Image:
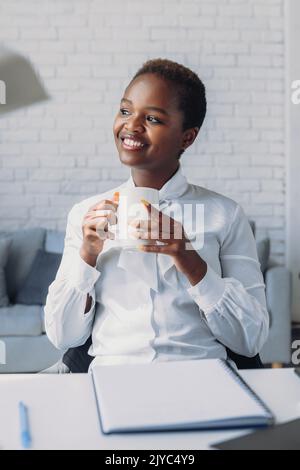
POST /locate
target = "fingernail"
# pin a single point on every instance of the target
(145, 202)
(140, 247)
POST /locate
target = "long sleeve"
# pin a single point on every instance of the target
(65, 321)
(234, 304)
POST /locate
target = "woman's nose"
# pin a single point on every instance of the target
(134, 123)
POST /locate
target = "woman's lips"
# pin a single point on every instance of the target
(132, 148)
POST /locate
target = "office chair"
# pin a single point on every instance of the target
(243, 362)
(78, 360)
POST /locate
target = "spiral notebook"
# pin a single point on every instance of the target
(164, 396)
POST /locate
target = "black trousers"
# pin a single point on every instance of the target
(78, 360)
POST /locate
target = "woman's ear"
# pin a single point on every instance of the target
(188, 137)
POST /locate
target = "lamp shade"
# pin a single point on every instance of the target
(20, 85)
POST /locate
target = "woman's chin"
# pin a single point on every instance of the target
(132, 160)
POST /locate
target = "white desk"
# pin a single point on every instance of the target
(63, 414)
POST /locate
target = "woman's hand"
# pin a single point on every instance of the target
(162, 228)
(95, 228)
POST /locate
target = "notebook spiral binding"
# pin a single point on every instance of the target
(237, 377)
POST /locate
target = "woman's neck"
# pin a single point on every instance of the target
(152, 179)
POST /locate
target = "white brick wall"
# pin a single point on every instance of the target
(55, 154)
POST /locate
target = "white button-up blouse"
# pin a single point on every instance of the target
(143, 309)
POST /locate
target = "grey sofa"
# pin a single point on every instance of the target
(22, 331)
(277, 349)
(278, 281)
(22, 326)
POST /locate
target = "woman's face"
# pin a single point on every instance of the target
(148, 127)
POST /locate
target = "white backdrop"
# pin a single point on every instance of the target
(87, 50)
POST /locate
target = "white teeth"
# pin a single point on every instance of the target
(132, 143)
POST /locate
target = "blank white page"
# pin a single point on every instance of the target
(171, 395)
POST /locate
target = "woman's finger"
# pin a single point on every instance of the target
(137, 233)
(163, 249)
(105, 234)
(102, 230)
(102, 224)
(91, 232)
(160, 222)
(103, 207)
(144, 224)
(105, 204)
(109, 214)
(92, 223)
(155, 234)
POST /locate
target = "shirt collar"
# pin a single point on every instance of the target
(174, 188)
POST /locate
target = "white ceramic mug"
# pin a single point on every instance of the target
(130, 207)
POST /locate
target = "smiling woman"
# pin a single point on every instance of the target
(159, 132)
(160, 116)
(162, 302)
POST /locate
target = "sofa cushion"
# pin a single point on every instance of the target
(23, 249)
(263, 252)
(54, 242)
(21, 320)
(42, 273)
(4, 251)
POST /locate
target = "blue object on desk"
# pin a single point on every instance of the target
(24, 426)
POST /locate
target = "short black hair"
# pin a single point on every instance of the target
(191, 90)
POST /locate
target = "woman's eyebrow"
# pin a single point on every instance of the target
(154, 108)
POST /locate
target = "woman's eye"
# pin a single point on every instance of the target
(154, 120)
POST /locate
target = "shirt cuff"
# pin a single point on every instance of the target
(208, 291)
(83, 276)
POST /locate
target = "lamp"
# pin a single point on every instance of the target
(20, 85)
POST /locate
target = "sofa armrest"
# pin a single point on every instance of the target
(278, 293)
